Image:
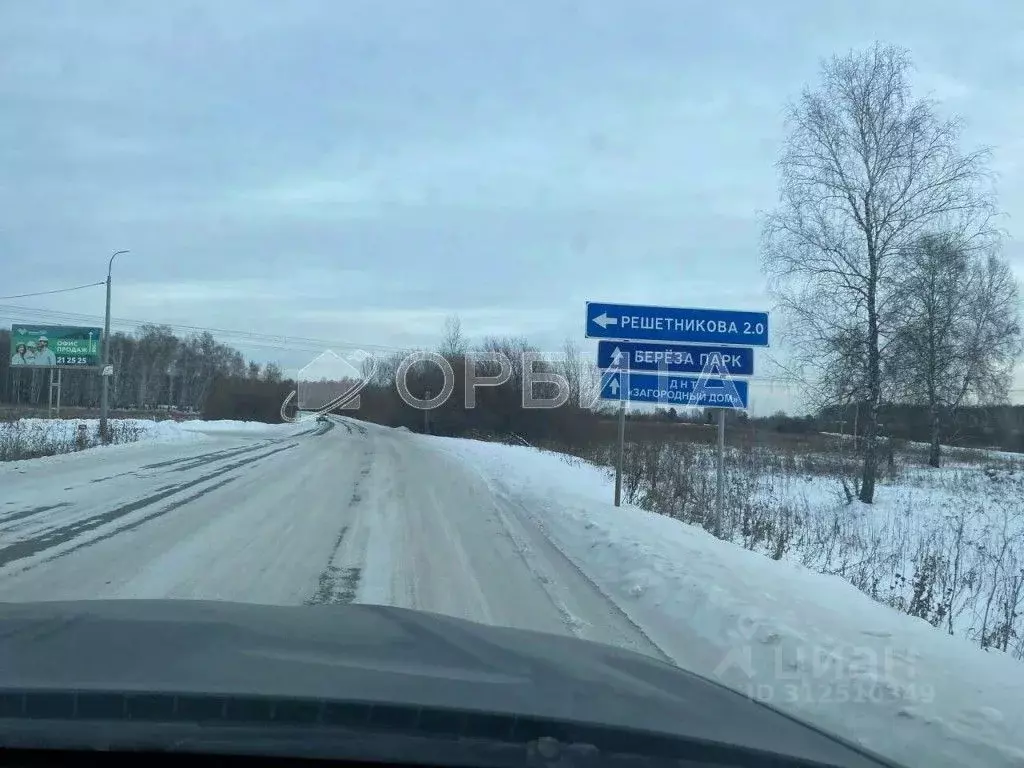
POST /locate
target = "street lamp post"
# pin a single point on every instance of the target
(105, 387)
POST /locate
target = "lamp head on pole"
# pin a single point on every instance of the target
(110, 263)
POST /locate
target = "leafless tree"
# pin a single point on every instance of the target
(960, 334)
(156, 349)
(571, 366)
(866, 170)
(454, 343)
(272, 373)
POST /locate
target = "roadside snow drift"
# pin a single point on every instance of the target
(806, 643)
(50, 437)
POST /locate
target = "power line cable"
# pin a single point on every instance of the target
(57, 290)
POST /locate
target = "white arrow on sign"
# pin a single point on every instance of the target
(613, 385)
(604, 321)
(616, 357)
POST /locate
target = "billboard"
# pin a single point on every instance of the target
(55, 346)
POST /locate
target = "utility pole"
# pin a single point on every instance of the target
(104, 372)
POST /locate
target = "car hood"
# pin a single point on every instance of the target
(381, 655)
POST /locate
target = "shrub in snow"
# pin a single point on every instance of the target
(944, 545)
(35, 438)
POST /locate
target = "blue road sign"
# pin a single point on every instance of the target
(675, 390)
(674, 358)
(676, 325)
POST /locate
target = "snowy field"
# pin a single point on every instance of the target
(944, 545)
(516, 536)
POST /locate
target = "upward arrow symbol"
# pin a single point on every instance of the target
(616, 357)
(613, 385)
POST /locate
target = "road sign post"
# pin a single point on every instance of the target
(720, 478)
(51, 409)
(622, 452)
(645, 352)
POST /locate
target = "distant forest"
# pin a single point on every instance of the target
(155, 368)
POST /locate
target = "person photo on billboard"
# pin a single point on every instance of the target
(22, 355)
(44, 355)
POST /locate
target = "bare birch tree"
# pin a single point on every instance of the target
(960, 336)
(866, 169)
(454, 343)
(571, 366)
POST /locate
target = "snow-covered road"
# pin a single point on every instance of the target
(356, 512)
(504, 535)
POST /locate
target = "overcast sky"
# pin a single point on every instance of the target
(357, 171)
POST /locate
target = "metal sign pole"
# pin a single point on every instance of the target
(426, 416)
(720, 484)
(58, 393)
(622, 452)
(49, 402)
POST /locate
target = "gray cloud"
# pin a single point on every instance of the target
(358, 170)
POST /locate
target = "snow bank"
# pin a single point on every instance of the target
(61, 429)
(29, 438)
(253, 427)
(806, 643)
(66, 430)
(946, 545)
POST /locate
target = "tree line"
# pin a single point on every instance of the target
(156, 369)
(153, 368)
(884, 255)
(489, 411)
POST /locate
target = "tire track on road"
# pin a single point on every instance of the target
(518, 511)
(336, 585)
(190, 462)
(56, 537)
(351, 425)
(21, 514)
(132, 526)
(339, 583)
(550, 565)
